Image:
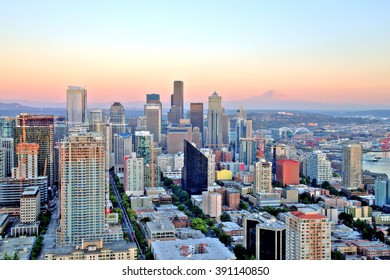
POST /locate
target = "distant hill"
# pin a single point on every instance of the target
(13, 109)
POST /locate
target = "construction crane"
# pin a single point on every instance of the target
(385, 143)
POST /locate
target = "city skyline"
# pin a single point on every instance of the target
(316, 52)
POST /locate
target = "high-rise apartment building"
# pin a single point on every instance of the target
(83, 181)
(195, 170)
(134, 175)
(2, 162)
(308, 236)
(177, 103)
(352, 163)
(214, 119)
(76, 105)
(153, 120)
(318, 167)
(263, 177)
(210, 165)
(117, 119)
(212, 204)
(39, 129)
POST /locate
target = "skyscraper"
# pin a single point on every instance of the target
(308, 236)
(214, 118)
(122, 147)
(40, 130)
(7, 144)
(76, 105)
(263, 177)
(96, 123)
(271, 241)
(382, 192)
(210, 165)
(195, 170)
(196, 116)
(248, 148)
(82, 165)
(117, 119)
(153, 120)
(177, 103)
(352, 162)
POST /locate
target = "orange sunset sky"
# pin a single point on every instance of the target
(324, 52)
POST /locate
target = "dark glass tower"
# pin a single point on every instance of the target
(194, 172)
(196, 115)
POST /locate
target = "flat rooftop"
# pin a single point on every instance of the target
(21, 245)
(191, 249)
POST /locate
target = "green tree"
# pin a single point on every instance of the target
(240, 252)
(314, 182)
(225, 239)
(337, 255)
(325, 184)
(181, 208)
(225, 218)
(199, 224)
(244, 205)
(6, 256)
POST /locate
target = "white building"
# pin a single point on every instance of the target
(263, 177)
(30, 205)
(134, 175)
(211, 165)
(318, 167)
(212, 204)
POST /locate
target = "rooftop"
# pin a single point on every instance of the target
(307, 215)
(21, 245)
(191, 249)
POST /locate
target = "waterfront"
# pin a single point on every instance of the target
(380, 166)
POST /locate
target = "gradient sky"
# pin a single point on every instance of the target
(325, 51)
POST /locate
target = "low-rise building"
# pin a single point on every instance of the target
(95, 250)
(160, 230)
(191, 249)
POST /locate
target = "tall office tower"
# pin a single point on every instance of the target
(60, 129)
(318, 167)
(30, 205)
(8, 145)
(7, 127)
(212, 204)
(210, 165)
(214, 118)
(240, 130)
(195, 170)
(82, 165)
(248, 149)
(197, 137)
(263, 177)
(287, 172)
(225, 130)
(352, 163)
(141, 123)
(177, 103)
(123, 146)
(96, 121)
(76, 105)
(2, 162)
(196, 116)
(271, 241)
(117, 119)
(382, 192)
(176, 134)
(153, 120)
(40, 130)
(308, 236)
(134, 175)
(144, 143)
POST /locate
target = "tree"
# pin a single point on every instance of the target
(225, 239)
(314, 182)
(199, 224)
(240, 252)
(181, 208)
(337, 255)
(244, 205)
(225, 218)
(325, 185)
